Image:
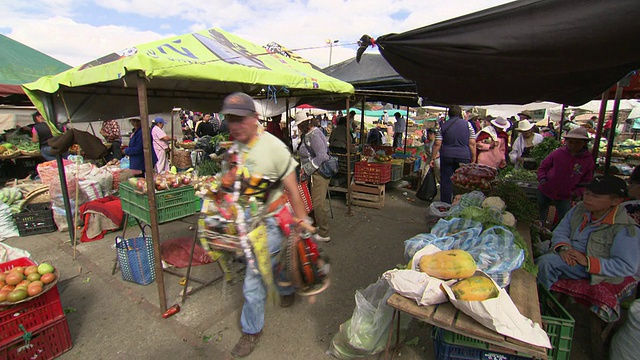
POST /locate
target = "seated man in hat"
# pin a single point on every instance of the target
(596, 240)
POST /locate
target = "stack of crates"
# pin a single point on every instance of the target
(33, 329)
(171, 204)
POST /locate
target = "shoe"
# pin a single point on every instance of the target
(287, 300)
(319, 238)
(246, 345)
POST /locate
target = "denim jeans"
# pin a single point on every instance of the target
(447, 167)
(551, 267)
(254, 291)
(562, 207)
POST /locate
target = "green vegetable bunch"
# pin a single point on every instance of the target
(208, 167)
(517, 202)
(542, 150)
(518, 175)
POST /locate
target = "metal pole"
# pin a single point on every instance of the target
(406, 131)
(286, 121)
(65, 197)
(330, 51)
(151, 187)
(349, 212)
(614, 124)
(603, 110)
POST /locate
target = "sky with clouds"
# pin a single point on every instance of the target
(77, 31)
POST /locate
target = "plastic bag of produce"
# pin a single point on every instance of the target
(495, 253)
(8, 227)
(416, 243)
(366, 333)
(457, 228)
(436, 211)
(626, 341)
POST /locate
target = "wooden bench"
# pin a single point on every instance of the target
(523, 290)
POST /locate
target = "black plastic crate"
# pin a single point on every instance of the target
(35, 219)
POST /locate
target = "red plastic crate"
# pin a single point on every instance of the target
(32, 315)
(373, 173)
(46, 343)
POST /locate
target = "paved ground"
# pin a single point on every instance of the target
(113, 319)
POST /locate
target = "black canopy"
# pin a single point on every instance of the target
(564, 51)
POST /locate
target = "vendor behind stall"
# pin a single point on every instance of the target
(111, 133)
(135, 152)
(561, 172)
(597, 240)
(526, 140)
(40, 134)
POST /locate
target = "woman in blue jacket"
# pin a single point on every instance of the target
(134, 151)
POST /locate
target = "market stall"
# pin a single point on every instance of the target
(196, 74)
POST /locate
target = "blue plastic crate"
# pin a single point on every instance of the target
(445, 351)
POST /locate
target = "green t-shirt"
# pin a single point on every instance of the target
(271, 158)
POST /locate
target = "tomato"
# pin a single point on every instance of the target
(48, 278)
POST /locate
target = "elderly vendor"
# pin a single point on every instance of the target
(596, 240)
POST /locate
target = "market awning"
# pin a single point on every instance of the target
(521, 52)
(192, 71)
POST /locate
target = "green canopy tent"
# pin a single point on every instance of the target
(194, 71)
(20, 64)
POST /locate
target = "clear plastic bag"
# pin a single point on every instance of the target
(366, 333)
(436, 211)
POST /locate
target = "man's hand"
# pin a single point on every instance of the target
(568, 259)
(578, 257)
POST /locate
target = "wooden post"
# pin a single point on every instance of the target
(559, 134)
(612, 131)
(151, 186)
(603, 110)
(349, 212)
(406, 131)
(362, 139)
(65, 197)
(286, 121)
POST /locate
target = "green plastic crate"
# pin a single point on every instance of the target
(171, 204)
(558, 324)
(556, 321)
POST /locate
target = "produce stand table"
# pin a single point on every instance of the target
(523, 291)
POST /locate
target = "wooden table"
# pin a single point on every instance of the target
(524, 293)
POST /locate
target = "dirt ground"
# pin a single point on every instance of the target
(113, 319)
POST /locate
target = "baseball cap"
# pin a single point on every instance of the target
(159, 120)
(238, 104)
(607, 185)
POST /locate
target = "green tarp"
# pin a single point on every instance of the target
(193, 71)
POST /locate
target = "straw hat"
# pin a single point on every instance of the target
(524, 125)
(579, 133)
(301, 117)
(500, 122)
(526, 114)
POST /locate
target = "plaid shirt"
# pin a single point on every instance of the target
(111, 131)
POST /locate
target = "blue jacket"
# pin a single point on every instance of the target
(136, 154)
(610, 243)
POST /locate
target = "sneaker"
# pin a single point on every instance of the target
(246, 345)
(319, 238)
(287, 300)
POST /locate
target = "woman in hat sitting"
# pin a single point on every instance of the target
(561, 172)
(526, 140)
(491, 143)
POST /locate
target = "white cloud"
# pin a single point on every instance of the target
(54, 27)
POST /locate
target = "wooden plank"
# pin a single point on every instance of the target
(540, 353)
(371, 189)
(469, 327)
(422, 313)
(368, 204)
(523, 288)
(445, 315)
(368, 197)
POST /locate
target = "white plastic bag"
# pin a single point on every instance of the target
(626, 341)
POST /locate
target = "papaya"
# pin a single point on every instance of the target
(475, 288)
(448, 264)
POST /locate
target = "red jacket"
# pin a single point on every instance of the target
(560, 173)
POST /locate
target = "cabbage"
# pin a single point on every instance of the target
(494, 201)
